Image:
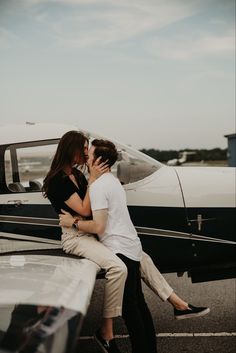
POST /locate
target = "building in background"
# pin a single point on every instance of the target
(231, 149)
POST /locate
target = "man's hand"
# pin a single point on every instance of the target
(66, 220)
(96, 169)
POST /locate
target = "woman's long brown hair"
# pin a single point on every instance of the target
(70, 145)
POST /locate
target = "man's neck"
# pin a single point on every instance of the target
(105, 173)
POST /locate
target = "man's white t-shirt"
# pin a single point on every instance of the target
(120, 235)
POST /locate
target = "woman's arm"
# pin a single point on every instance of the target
(78, 205)
(82, 207)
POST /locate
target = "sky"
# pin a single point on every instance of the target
(150, 73)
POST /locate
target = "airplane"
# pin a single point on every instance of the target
(183, 158)
(185, 218)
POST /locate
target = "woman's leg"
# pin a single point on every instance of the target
(153, 278)
(116, 272)
(177, 302)
(157, 283)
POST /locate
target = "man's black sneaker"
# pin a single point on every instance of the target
(106, 346)
(193, 311)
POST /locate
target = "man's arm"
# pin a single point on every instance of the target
(96, 226)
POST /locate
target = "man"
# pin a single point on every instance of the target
(112, 223)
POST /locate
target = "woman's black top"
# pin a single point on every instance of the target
(61, 188)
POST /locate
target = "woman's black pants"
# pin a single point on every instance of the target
(135, 311)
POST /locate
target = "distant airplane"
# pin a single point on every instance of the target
(183, 158)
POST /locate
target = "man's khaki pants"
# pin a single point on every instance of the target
(86, 245)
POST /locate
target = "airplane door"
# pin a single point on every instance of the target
(28, 214)
(157, 209)
(210, 209)
(218, 223)
(23, 209)
(213, 234)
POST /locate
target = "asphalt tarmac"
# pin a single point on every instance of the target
(215, 332)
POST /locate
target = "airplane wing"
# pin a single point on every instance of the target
(15, 243)
(43, 301)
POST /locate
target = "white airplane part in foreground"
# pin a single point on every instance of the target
(43, 302)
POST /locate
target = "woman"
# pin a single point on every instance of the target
(67, 188)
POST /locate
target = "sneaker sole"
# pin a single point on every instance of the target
(104, 350)
(191, 316)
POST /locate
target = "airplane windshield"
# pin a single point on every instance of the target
(130, 169)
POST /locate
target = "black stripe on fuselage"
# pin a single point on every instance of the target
(42, 221)
(221, 222)
(164, 233)
(33, 220)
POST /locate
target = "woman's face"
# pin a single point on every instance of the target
(81, 158)
(90, 160)
(86, 147)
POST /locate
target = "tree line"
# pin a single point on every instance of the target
(215, 154)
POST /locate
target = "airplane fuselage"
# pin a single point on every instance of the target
(183, 215)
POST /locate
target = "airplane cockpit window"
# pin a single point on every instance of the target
(26, 165)
(130, 168)
(132, 165)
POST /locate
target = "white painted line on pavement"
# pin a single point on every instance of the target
(198, 334)
(179, 334)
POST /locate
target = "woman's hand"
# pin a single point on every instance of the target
(97, 169)
(65, 219)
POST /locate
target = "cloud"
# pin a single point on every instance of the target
(184, 48)
(94, 22)
(122, 23)
(6, 38)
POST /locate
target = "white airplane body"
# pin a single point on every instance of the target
(184, 217)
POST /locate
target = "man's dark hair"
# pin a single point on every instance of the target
(106, 150)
